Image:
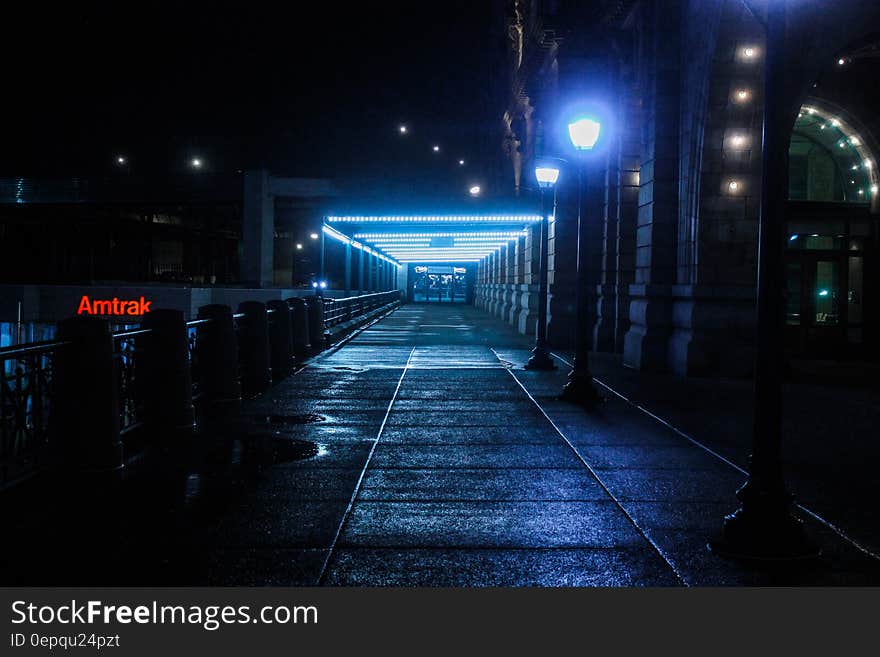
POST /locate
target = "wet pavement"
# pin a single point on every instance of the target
(418, 453)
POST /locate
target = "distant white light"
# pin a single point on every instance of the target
(823, 293)
(120, 160)
(835, 123)
(323, 284)
(461, 163)
(873, 189)
(854, 141)
(314, 283)
(841, 61)
(474, 190)
(742, 94)
(854, 167)
(861, 192)
(196, 163)
(435, 148)
(749, 52)
(733, 185)
(403, 129)
(314, 236)
(299, 246)
(868, 164)
(738, 140)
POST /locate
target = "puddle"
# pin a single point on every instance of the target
(292, 449)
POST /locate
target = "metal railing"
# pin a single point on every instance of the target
(337, 311)
(25, 393)
(26, 382)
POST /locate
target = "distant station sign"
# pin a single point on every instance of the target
(113, 307)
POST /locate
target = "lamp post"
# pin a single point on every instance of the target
(546, 173)
(763, 527)
(583, 132)
(322, 282)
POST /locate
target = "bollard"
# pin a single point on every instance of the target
(316, 323)
(167, 378)
(300, 328)
(85, 399)
(253, 346)
(280, 339)
(217, 356)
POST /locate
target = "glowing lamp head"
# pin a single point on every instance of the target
(461, 163)
(315, 284)
(435, 148)
(547, 175)
(314, 236)
(584, 133)
(323, 285)
(474, 190)
(196, 163)
(299, 246)
(403, 129)
(120, 160)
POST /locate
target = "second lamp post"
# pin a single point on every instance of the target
(547, 173)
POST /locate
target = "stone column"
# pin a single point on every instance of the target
(627, 215)
(562, 265)
(528, 307)
(646, 340)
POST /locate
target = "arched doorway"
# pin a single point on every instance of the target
(831, 238)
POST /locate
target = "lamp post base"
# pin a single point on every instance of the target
(764, 529)
(580, 390)
(540, 360)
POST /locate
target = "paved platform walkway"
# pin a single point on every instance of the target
(435, 459)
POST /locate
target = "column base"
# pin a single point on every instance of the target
(540, 360)
(764, 529)
(581, 390)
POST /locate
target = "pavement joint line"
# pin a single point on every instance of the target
(360, 480)
(596, 476)
(827, 523)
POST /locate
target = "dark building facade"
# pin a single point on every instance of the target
(673, 221)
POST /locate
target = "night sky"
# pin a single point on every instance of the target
(317, 92)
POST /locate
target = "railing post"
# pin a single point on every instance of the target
(218, 356)
(280, 339)
(300, 328)
(253, 334)
(316, 323)
(167, 378)
(85, 400)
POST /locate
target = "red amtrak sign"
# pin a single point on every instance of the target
(113, 306)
